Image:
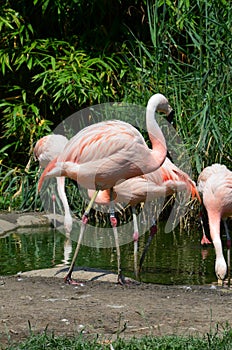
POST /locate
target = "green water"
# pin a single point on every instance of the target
(173, 258)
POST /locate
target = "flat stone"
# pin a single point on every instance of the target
(31, 220)
(82, 275)
(6, 226)
(11, 221)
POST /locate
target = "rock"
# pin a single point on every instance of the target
(15, 220)
(6, 226)
(31, 220)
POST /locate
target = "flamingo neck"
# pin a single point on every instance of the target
(62, 195)
(159, 148)
(214, 227)
(49, 167)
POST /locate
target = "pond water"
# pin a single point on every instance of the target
(173, 258)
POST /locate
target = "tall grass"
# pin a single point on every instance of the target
(189, 60)
(186, 56)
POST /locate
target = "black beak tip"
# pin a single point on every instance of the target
(170, 117)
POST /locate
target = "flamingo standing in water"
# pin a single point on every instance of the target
(45, 150)
(102, 154)
(163, 182)
(215, 184)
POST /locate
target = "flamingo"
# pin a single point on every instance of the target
(215, 184)
(105, 153)
(45, 150)
(162, 182)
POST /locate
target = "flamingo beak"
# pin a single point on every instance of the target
(220, 282)
(171, 116)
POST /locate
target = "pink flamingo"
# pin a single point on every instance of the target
(45, 150)
(102, 154)
(163, 182)
(215, 184)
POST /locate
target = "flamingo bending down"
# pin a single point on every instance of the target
(105, 153)
(215, 184)
(163, 182)
(45, 150)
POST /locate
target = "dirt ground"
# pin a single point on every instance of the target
(107, 309)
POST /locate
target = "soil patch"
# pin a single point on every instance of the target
(107, 309)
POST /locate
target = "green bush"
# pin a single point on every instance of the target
(60, 56)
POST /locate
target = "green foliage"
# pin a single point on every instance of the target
(189, 60)
(210, 341)
(60, 56)
(73, 78)
(19, 188)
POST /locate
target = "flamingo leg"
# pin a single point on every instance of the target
(153, 231)
(204, 240)
(68, 277)
(113, 222)
(120, 276)
(135, 238)
(228, 245)
(54, 209)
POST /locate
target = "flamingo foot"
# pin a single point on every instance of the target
(205, 241)
(122, 281)
(226, 282)
(126, 281)
(69, 280)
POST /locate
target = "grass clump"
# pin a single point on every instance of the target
(212, 341)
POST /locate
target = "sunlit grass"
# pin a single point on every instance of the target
(210, 341)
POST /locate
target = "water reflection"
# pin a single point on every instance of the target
(173, 258)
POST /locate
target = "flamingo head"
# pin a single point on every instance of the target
(162, 103)
(220, 268)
